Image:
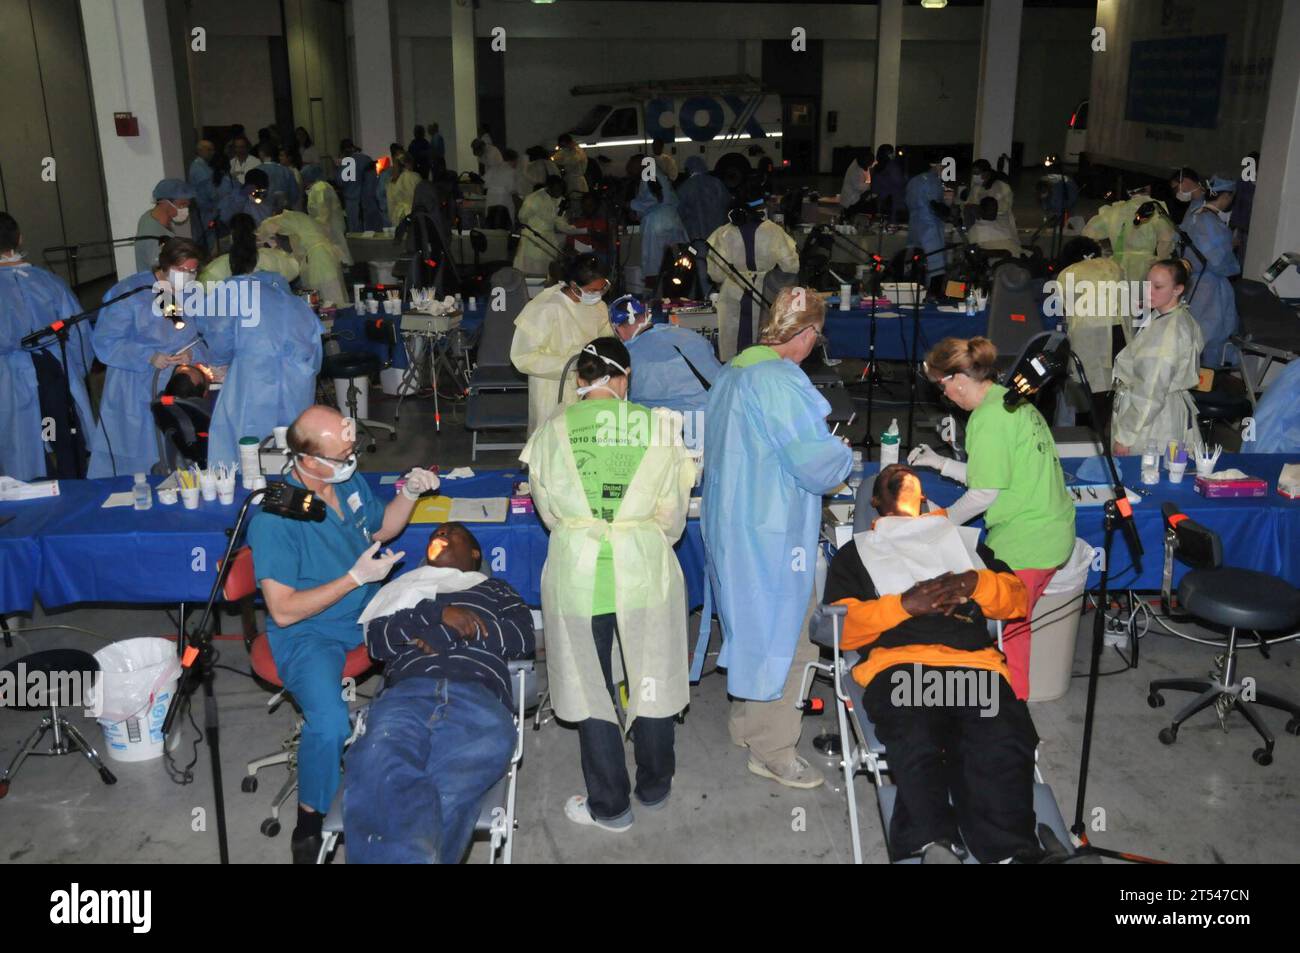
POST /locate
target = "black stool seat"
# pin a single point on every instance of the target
(1220, 405)
(53, 662)
(350, 364)
(1240, 598)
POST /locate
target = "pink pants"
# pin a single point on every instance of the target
(1016, 636)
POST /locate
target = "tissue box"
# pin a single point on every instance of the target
(1229, 489)
(521, 504)
(11, 489)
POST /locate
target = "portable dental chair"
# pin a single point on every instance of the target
(861, 749)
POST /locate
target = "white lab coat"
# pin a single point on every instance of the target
(541, 212)
(549, 330)
(501, 183)
(773, 248)
(857, 181)
(999, 234)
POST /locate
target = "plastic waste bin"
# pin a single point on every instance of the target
(138, 678)
(1051, 654)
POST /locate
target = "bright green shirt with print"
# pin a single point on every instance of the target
(1031, 524)
(609, 437)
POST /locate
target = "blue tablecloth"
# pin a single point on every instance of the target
(848, 333)
(351, 330)
(69, 549)
(1261, 533)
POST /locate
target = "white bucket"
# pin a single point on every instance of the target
(381, 272)
(391, 382)
(138, 679)
(1051, 654)
(363, 398)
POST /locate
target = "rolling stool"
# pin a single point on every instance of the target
(1235, 599)
(60, 667)
(348, 366)
(1218, 406)
(356, 663)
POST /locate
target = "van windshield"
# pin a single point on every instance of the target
(590, 122)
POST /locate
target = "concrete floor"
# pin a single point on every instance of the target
(1203, 800)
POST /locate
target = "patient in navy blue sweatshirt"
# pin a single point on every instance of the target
(441, 733)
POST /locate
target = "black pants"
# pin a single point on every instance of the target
(601, 742)
(962, 776)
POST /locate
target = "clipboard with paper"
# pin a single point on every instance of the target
(446, 509)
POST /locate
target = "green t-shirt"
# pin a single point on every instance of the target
(609, 437)
(1031, 524)
(754, 355)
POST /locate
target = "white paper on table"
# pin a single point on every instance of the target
(389, 479)
(460, 473)
(124, 498)
(482, 510)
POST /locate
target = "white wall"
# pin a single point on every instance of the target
(232, 83)
(849, 87)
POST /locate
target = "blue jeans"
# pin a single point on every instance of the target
(311, 668)
(414, 782)
(601, 744)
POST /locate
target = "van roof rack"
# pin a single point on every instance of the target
(739, 83)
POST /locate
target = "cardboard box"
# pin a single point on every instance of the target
(1231, 489)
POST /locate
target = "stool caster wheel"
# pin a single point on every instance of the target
(370, 448)
(107, 775)
(248, 785)
(1262, 756)
(270, 827)
(1168, 736)
(1156, 700)
(4, 788)
(1293, 726)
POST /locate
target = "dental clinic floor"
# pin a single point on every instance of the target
(1203, 800)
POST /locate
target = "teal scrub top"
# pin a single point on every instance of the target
(303, 555)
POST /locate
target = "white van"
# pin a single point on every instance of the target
(729, 121)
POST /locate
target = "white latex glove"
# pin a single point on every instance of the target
(923, 456)
(372, 568)
(420, 481)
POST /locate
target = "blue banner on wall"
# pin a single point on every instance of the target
(1176, 81)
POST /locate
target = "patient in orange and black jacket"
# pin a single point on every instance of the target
(961, 745)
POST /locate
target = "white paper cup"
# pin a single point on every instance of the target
(226, 491)
(372, 306)
(208, 487)
(190, 497)
(167, 495)
(1205, 469)
(1176, 471)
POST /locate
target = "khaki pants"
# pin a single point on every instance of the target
(772, 729)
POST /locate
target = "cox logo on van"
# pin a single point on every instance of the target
(701, 118)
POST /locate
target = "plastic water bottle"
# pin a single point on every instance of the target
(889, 444)
(142, 493)
(856, 471)
(970, 300)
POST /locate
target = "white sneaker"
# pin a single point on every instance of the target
(576, 810)
(797, 774)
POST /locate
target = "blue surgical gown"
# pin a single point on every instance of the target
(283, 181)
(205, 200)
(768, 459)
(661, 226)
(126, 335)
(240, 200)
(361, 194)
(1213, 305)
(273, 358)
(31, 298)
(925, 228)
(1277, 415)
(702, 202)
(662, 378)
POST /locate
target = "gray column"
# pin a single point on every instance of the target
(376, 105)
(464, 89)
(889, 61)
(995, 112)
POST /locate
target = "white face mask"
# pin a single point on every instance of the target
(1184, 196)
(182, 214)
(9, 257)
(588, 297)
(339, 471)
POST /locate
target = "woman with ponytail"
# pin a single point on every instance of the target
(1013, 479)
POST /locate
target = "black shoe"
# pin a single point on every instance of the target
(306, 850)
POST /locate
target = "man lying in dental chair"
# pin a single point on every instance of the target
(441, 733)
(960, 744)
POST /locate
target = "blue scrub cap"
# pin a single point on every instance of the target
(696, 165)
(625, 310)
(1218, 183)
(172, 189)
